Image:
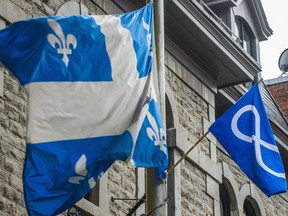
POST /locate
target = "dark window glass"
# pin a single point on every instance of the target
(247, 39)
(248, 208)
(225, 206)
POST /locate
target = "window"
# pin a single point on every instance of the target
(247, 39)
(251, 207)
(93, 195)
(248, 208)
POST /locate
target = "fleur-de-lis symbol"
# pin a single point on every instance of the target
(149, 37)
(156, 134)
(60, 42)
(81, 170)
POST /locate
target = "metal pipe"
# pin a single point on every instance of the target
(138, 204)
(156, 191)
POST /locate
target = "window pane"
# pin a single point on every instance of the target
(238, 31)
(224, 201)
(244, 33)
(247, 42)
(248, 208)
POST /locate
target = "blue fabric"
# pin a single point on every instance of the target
(144, 65)
(151, 138)
(25, 50)
(48, 167)
(248, 138)
(73, 50)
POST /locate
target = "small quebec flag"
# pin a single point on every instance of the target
(244, 131)
(90, 101)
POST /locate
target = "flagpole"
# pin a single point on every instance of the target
(260, 81)
(199, 140)
(156, 191)
(185, 155)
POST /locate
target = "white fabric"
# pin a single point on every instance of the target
(74, 110)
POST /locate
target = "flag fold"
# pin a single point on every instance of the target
(245, 133)
(90, 101)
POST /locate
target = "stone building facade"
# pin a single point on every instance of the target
(206, 60)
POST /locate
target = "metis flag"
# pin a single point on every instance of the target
(90, 101)
(245, 132)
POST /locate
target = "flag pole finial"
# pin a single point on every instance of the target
(261, 80)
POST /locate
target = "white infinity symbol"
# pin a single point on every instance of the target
(257, 140)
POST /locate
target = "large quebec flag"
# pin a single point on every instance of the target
(245, 132)
(90, 101)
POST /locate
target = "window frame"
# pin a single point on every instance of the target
(246, 36)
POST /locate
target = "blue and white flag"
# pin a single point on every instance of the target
(244, 131)
(90, 101)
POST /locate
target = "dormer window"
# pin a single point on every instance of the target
(247, 39)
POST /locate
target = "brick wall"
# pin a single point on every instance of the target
(122, 179)
(12, 146)
(280, 94)
(195, 200)
(12, 130)
(191, 101)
